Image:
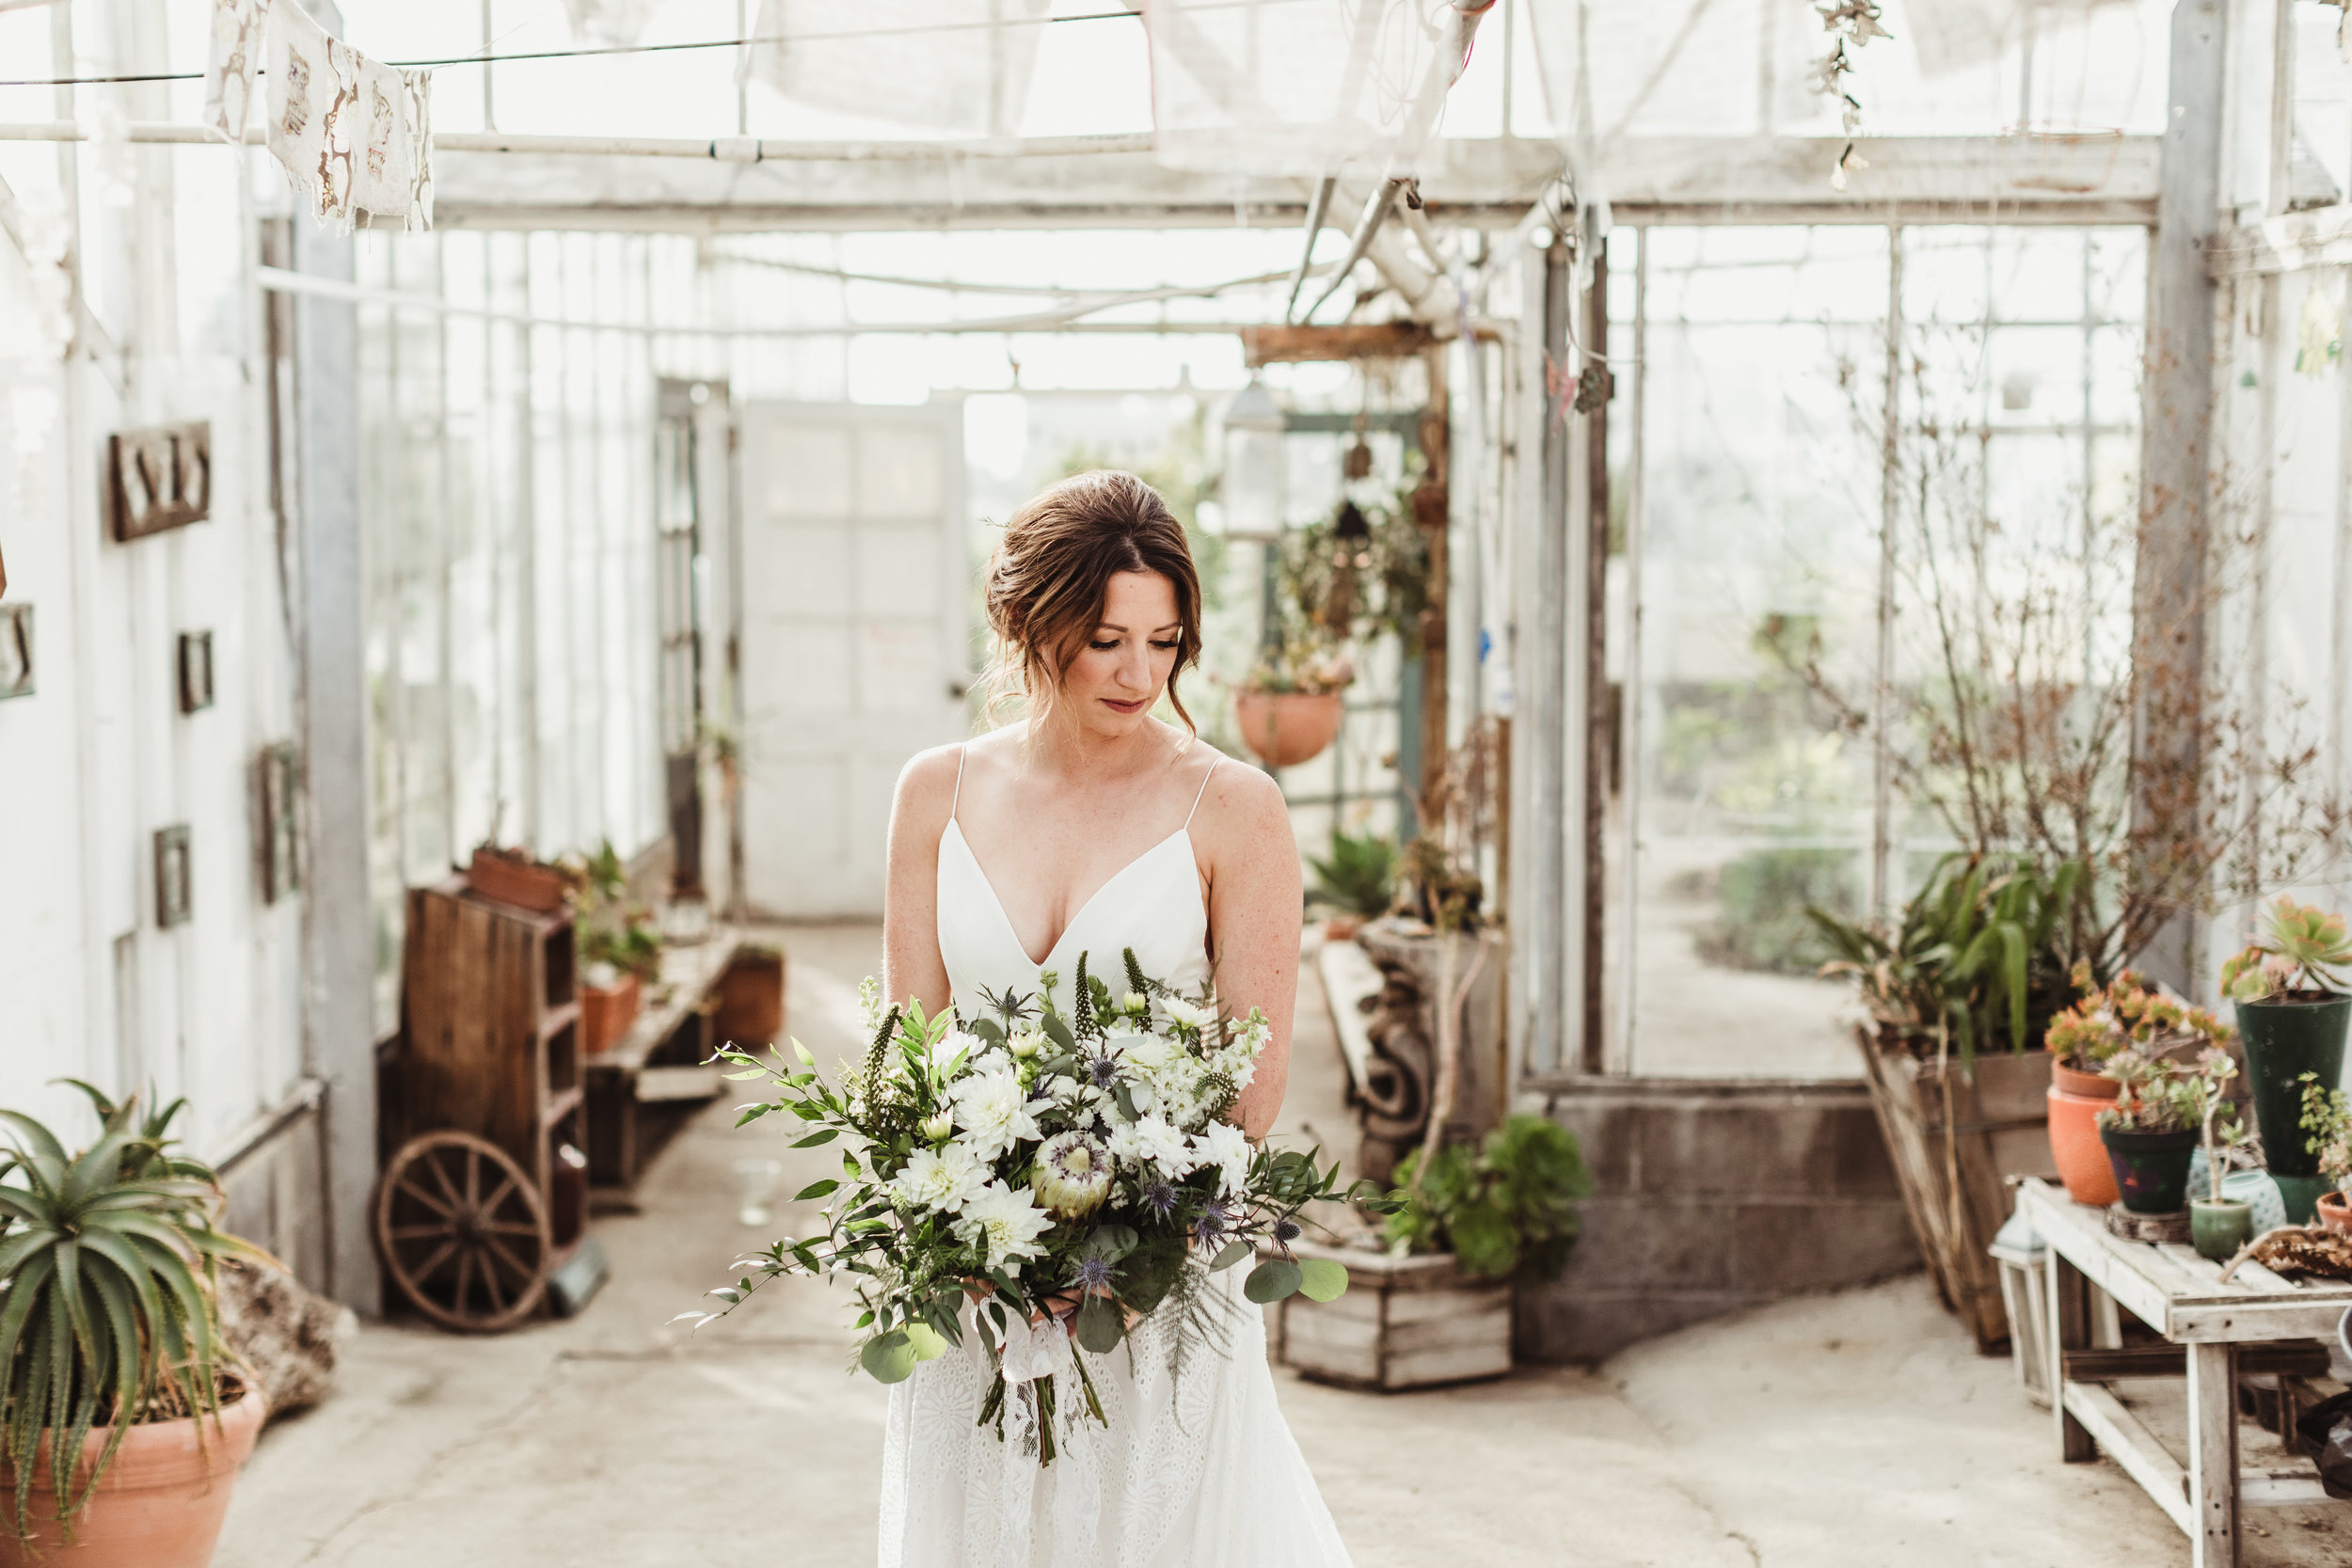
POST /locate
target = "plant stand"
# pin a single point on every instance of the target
(1404, 1323)
(1952, 1141)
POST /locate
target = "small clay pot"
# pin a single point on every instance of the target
(2151, 1168)
(2335, 1211)
(2087, 1086)
(2220, 1228)
(2076, 1150)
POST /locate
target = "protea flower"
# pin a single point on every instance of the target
(1073, 1175)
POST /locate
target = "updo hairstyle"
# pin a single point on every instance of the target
(1053, 569)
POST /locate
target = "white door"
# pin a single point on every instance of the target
(853, 588)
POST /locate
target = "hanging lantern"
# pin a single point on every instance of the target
(1252, 487)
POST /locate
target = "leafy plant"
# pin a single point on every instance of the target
(2158, 1096)
(1359, 877)
(1361, 573)
(1506, 1207)
(612, 931)
(633, 948)
(1983, 956)
(1763, 898)
(2299, 943)
(2328, 1118)
(2125, 1015)
(106, 1310)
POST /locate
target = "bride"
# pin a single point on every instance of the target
(1089, 827)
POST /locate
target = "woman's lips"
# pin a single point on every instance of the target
(1118, 706)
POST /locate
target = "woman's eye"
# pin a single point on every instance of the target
(1164, 647)
(1103, 647)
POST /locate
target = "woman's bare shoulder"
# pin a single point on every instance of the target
(1238, 799)
(927, 786)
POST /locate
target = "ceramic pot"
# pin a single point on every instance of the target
(159, 1505)
(2076, 1150)
(2151, 1168)
(2257, 1192)
(2087, 1085)
(2218, 1229)
(2335, 1211)
(605, 1014)
(2284, 1039)
(1286, 728)
(2300, 1195)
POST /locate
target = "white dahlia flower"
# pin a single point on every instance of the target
(1154, 1141)
(946, 1179)
(1223, 1145)
(994, 1111)
(1192, 1014)
(1005, 1225)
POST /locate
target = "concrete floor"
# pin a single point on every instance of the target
(1858, 1429)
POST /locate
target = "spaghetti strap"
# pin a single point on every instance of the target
(1196, 800)
(956, 799)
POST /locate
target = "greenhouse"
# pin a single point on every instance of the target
(1764, 587)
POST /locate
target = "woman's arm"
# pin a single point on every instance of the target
(1254, 912)
(912, 967)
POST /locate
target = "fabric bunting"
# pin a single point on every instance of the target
(353, 134)
(231, 59)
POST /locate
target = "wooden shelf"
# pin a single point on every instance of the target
(561, 1105)
(558, 1019)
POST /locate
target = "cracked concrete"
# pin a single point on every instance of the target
(1855, 1430)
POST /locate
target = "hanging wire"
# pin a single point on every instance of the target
(618, 49)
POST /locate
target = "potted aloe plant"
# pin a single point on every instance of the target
(2151, 1132)
(2293, 1009)
(1356, 884)
(2123, 1015)
(123, 1420)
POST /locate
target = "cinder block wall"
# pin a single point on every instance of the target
(1713, 1198)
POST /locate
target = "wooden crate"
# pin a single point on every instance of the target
(1954, 1138)
(489, 1041)
(1404, 1323)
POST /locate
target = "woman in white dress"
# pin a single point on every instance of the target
(1089, 827)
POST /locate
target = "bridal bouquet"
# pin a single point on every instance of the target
(1065, 1176)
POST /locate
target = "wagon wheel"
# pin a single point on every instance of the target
(463, 1232)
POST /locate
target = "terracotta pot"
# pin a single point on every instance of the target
(159, 1505)
(1286, 728)
(751, 1000)
(537, 888)
(2074, 1146)
(2087, 1086)
(606, 1012)
(1343, 928)
(2335, 1211)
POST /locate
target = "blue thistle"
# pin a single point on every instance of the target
(1160, 1197)
(1210, 1227)
(1095, 1274)
(1287, 1230)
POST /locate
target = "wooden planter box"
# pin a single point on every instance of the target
(1404, 1323)
(1953, 1139)
(540, 888)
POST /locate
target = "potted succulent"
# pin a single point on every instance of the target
(2219, 1224)
(1468, 1227)
(2151, 1132)
(122, 1420)
(2293, 1009)
(2123, 1015)
(1358, 882)
(2326, 1122)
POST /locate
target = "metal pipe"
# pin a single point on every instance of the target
(726, 150)
(1315, 211)
(1375, 213)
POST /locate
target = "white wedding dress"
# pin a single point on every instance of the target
(1197, 1468)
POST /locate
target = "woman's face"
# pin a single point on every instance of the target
(1110, 683)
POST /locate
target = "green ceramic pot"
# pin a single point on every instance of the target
(2285, 1040)
(2300, 1195)
(2218, 1229)
(2151, 1168)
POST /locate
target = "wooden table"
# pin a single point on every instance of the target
(658, 1061)
(2216, 1329)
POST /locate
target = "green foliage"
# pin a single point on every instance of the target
(1983, 957)
(106, 1310)
(1359, 876)
(612, 931)
(1505, 1208)
(2328, 1118)
(1762, 921)
(2301, 950)
(1359, 574)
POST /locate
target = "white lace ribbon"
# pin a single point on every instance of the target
(1035, 1350)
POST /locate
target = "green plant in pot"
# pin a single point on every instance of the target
(2219, 1224)
(2328, 1126)
(122, 1420)
(2289, 990)
(2151, 1132)
(1505, 1208)
(1357, 881)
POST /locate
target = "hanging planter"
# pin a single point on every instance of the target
(1286, 728)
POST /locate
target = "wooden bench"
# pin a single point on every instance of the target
(658, 1063)
(2217, 1329)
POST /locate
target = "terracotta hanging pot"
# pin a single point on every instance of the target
(1286, 728)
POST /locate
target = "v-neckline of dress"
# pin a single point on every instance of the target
(1004, 917)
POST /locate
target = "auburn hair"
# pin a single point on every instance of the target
(1052, 568)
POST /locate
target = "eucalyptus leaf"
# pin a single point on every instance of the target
(1321, 1279)
(1101, 1324)
(927, 1342)
(1234, 1253)
(889, 1357)
(1270, 1281)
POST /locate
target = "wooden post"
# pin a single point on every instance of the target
(2213, 1455)
(2070, 1329)
(1432, 514)
(1600, 715)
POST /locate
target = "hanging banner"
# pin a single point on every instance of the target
(231, 56)
(946, 65)
(353, 134)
